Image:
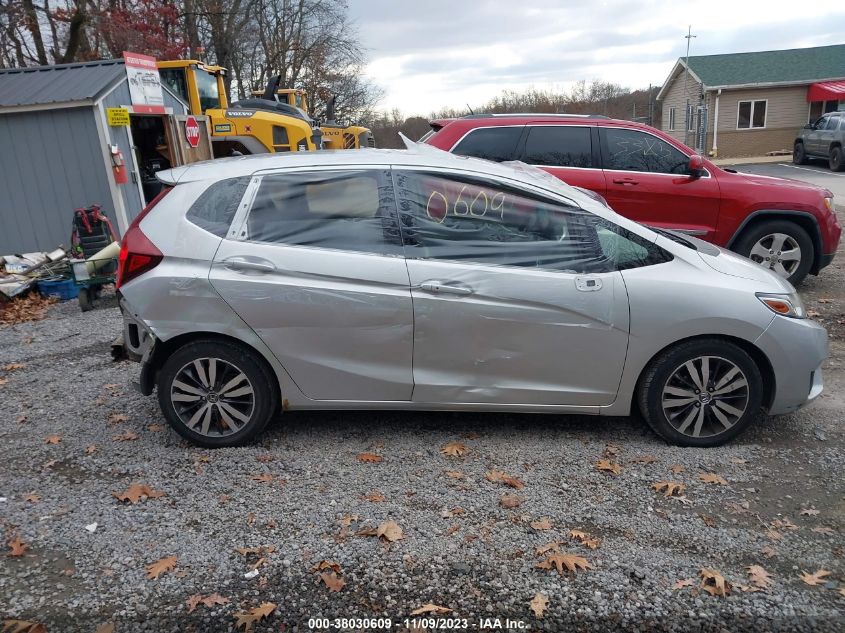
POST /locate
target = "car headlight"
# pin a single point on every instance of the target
(828, 202)
(788, 305)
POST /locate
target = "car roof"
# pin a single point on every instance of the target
(418, 155)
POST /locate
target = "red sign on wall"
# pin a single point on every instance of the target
(192, 131)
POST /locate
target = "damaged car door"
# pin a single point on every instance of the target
(316, 269)
(515, 299)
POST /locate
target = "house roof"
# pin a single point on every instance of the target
(764, 68)
(62, 83)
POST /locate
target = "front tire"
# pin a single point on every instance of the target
(837, 159)
(701, 393)
(782, 246)
(799, 156)
(216, 394)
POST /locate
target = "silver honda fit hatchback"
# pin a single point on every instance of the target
(417, 279)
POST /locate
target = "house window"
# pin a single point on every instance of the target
(818, 108)
(671, 119)
(751, 115)
(690, 118)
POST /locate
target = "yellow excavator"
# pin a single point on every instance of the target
(250, 126)
(334, 135)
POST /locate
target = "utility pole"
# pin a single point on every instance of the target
(688, 37)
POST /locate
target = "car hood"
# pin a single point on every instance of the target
(729, 263)
(775, 181)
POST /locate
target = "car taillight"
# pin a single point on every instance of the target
(137, 253)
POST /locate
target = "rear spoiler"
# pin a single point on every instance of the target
(439, 124)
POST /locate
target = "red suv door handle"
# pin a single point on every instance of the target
(626, 181)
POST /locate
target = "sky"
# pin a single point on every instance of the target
(430, 54)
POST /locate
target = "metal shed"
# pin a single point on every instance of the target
(54, 151)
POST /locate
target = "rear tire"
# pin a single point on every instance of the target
(215, 393)
(837, 159)
(755, 241)
(729, 402)
(799, 156)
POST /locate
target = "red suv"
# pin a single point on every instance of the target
(648, 176)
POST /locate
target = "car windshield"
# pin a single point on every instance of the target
(207, 87)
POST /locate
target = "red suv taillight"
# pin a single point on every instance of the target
(137, 253)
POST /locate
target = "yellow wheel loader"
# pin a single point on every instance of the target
(334, 135)
(250, 126)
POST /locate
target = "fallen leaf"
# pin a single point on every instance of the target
(247, 619)
(53, 439)
(454, 449)
(3, 381)
(774, 535)
(669, 488)
(264, 478)
(686, 582)
(370, 458)
(28, 339)
(759, 577)
(117, 418)
(768, 552)
(738, 460)
(332, 581)
(842, 591)
(13, 366)
(326, 564)
(93, 448)
(784, 524)
(193, 602)
(608, 466)
(548, 547)
(389, 531)
(562, 561)
(712, 478)
(160, 566)
(645, 459)
(809, 512)
(373, 497)
(823, 530)
(542, 524)
(585, 538)
(23, 626)
(264, 459)
(677, 468)
(714, 583)
(155, 428)
(510, 501)
(708, 520)
(817, 578)
(137, 492)
(32, 498)
(813, 314)
(105, 627)
(126, 436)
(448, 514)
(455, 474)
(209, 601)
(497, 476)
(430, 607)
(21, 419)
(539, 604)
(16, 546)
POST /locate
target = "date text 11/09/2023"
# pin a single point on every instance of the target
(418, 624)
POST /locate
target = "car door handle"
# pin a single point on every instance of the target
(240, 263)
(439, 287)
(626, 181)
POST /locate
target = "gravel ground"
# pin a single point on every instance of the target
(783, 481)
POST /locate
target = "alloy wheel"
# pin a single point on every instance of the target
(705, 396)
(778, 252)
(212, 397)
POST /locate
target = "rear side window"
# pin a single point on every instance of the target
(633, 150)
(491, 143)
(342, 210)
(216, 207)
(559, 145)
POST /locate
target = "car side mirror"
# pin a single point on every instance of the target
(696, 166)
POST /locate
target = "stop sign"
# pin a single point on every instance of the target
(192, 131)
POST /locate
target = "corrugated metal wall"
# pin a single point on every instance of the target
(50, 164)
